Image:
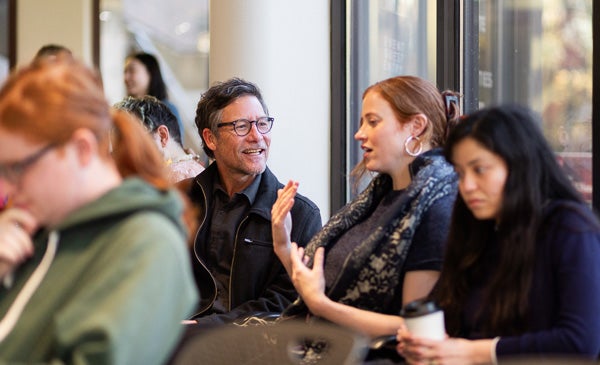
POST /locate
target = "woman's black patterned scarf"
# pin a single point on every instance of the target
(369, 277)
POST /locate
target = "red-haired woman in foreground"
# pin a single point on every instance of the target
(93, 263)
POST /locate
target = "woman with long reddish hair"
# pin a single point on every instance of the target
(383, 249)
(93, 263)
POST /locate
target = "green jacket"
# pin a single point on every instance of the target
(115, 292)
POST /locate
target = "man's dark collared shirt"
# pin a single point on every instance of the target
(226, 216)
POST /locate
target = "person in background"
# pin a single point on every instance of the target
(142, 76)
(384, 248)
(52, 50)
(162, 124)
(521, 274)
(93, 261)
(236, 270)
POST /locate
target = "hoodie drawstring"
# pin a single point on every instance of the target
(14, 312)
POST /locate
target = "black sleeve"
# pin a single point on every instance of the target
(426, 251)
(306, 220)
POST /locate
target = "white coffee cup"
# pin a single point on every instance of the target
(424, 318)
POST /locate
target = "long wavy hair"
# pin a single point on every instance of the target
(534, 178)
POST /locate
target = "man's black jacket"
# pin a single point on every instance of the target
(258, 280)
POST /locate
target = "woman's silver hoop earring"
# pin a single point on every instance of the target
(418, 150)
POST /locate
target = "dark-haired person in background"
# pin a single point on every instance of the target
(162, 124)
(142, 76)
(52, 50)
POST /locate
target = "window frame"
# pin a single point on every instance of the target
(338, 188)
(12, 33)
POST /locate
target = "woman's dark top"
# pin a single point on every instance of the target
(564, 304)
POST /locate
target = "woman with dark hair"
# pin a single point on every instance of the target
(142, 76)
(521, 274)
(383, 249)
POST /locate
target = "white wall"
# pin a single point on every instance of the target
(65, 22)
(284, 47)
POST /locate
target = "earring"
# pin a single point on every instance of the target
(418, 150)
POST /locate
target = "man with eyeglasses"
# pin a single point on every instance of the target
(236, 270)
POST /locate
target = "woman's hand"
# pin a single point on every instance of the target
(281, 223)
(422, 351)
(309, 282)
(16, 228)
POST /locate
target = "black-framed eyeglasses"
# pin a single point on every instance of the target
(13, 171)
(242, 127)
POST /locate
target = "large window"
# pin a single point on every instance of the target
(539, 53)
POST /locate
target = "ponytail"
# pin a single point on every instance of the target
(452, 109)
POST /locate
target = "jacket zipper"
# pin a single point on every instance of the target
(202, 310)
(250, 241)
(235, 241)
